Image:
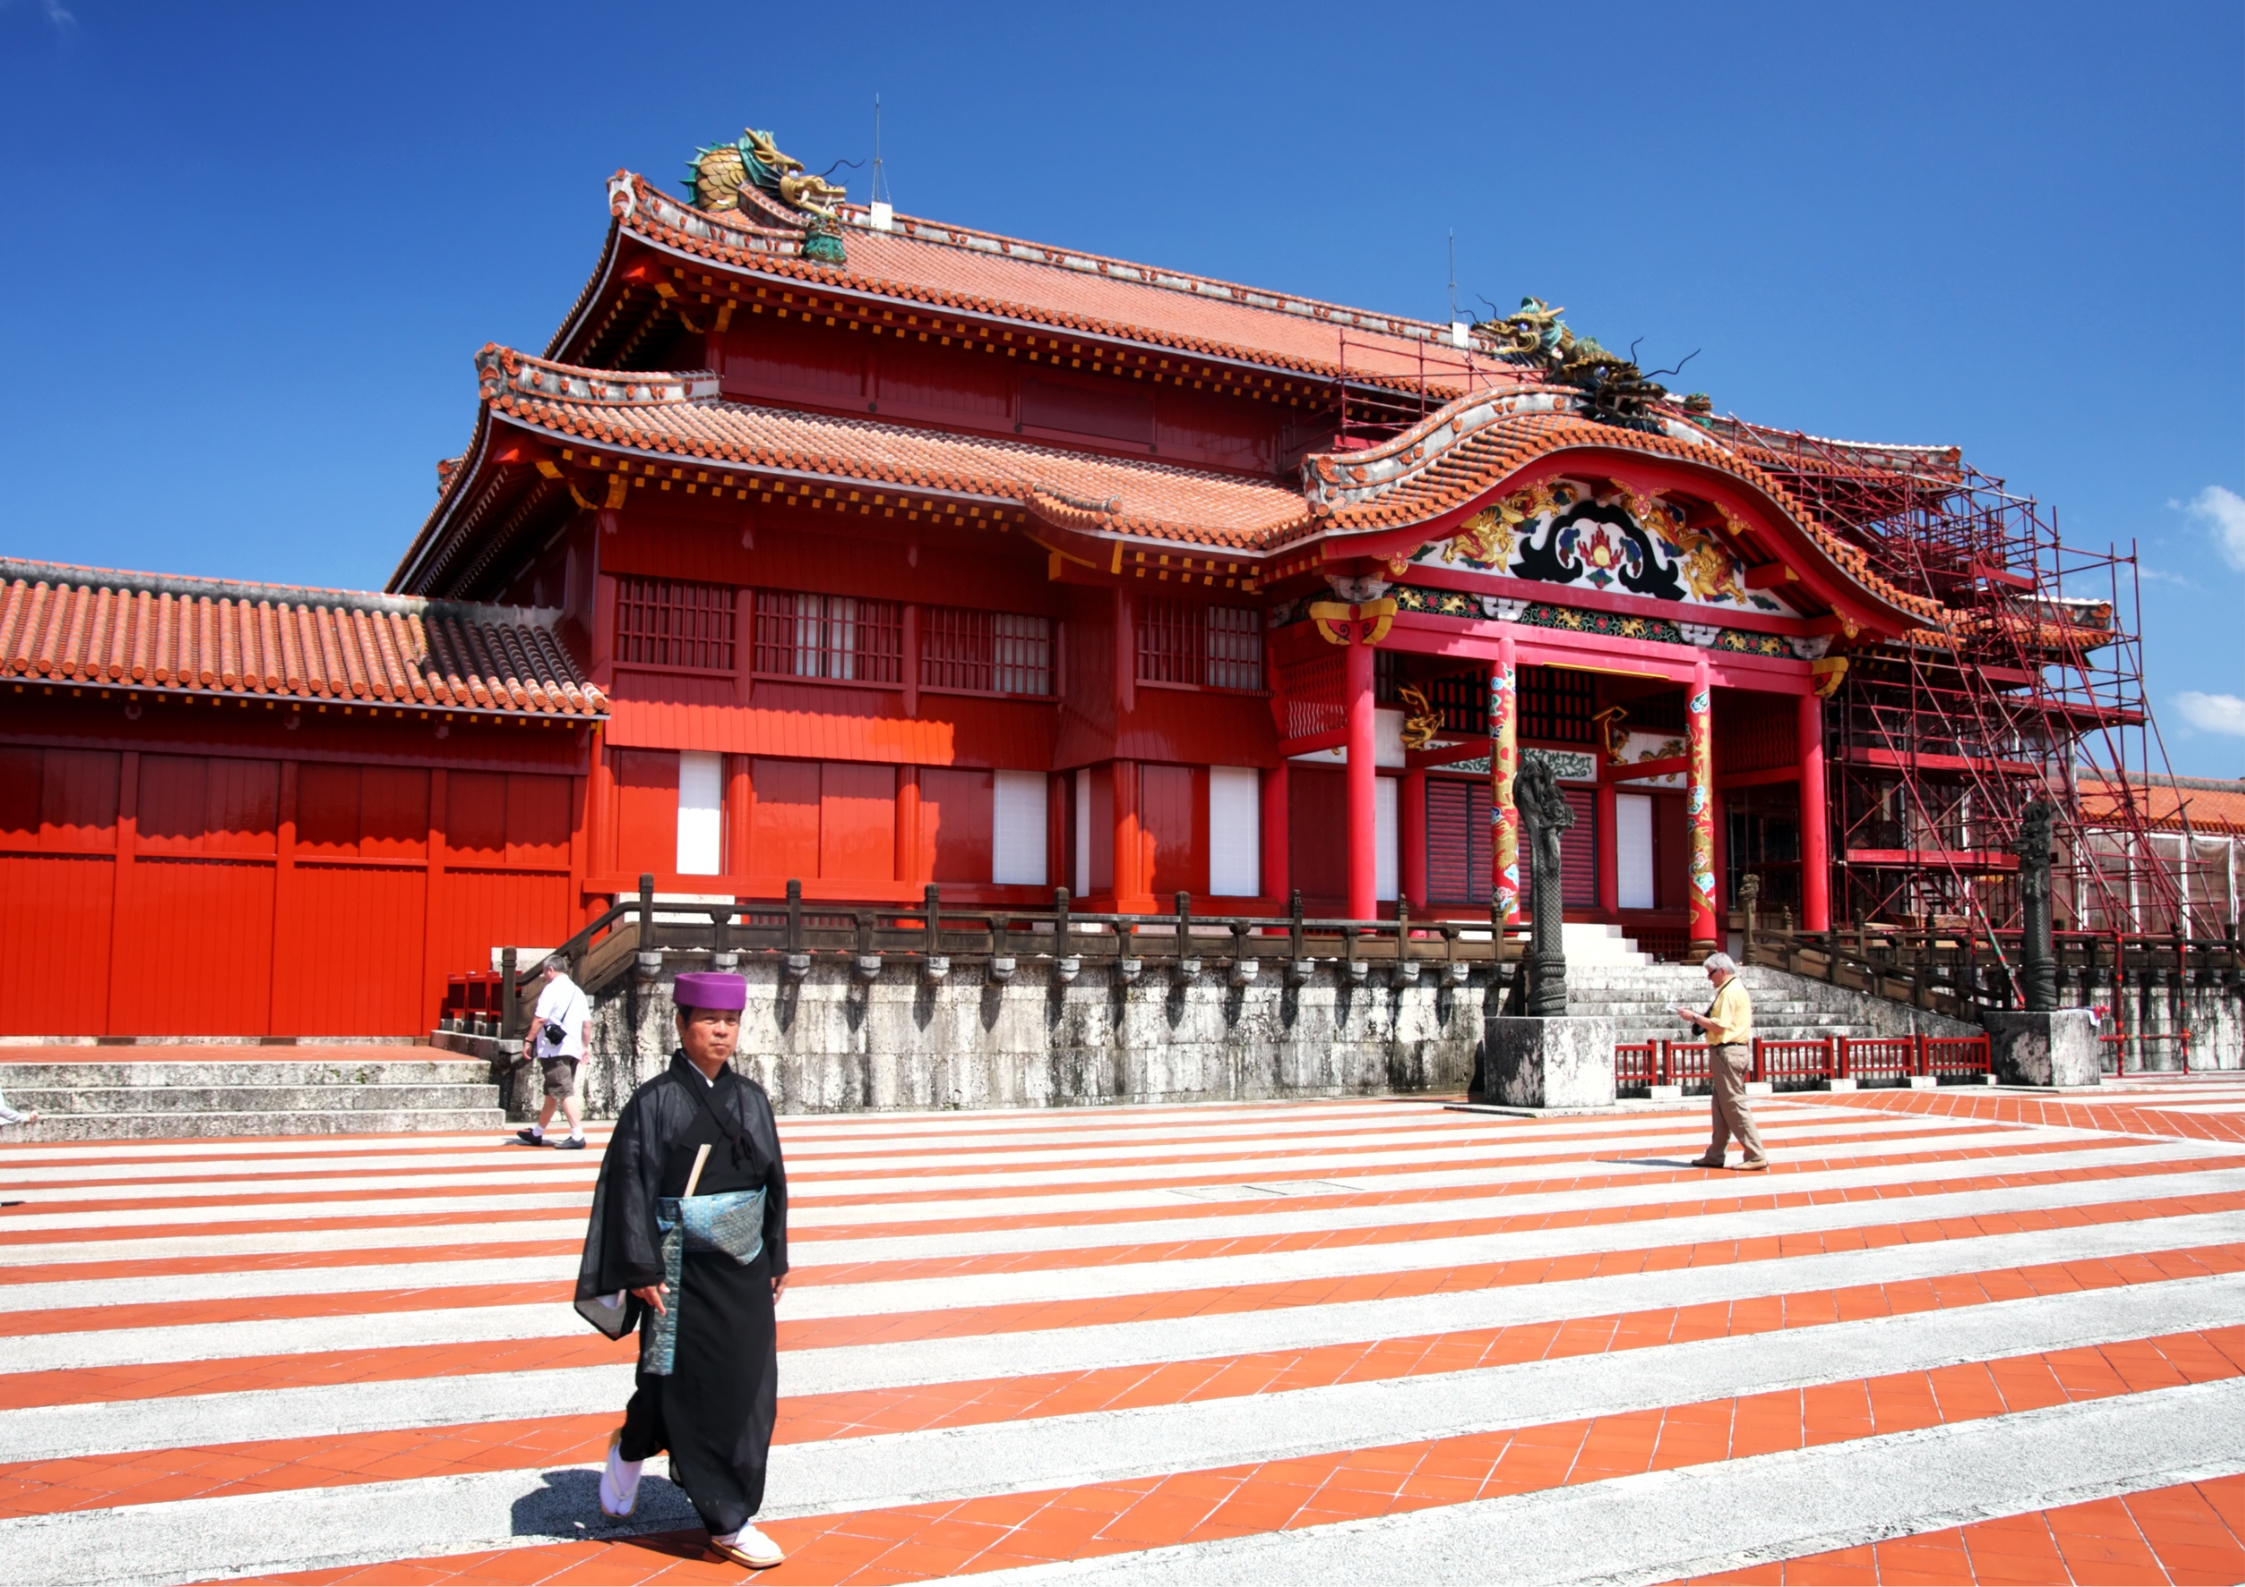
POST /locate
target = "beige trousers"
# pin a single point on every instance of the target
(1727, 1069)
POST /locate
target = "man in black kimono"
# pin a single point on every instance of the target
(688, 1243)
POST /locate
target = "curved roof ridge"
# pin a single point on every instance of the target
(1481, 442)
(1397, 346)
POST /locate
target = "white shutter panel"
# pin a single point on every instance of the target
(1387, 839)
(701, 813)
(1017, 828)
(1235, 831)
(1633, 849)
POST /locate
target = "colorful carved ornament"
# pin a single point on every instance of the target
(1353, 623)
(1637, 545)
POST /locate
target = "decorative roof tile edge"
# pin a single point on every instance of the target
(503, 370)
(15, 570)
(639, 206)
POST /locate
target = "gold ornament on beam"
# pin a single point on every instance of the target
(1423, 722)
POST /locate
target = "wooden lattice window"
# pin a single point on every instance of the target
(666, 623)
(1463, 701)
(840, 637)
(985, 652)
(1212, 647)
(1556, 705)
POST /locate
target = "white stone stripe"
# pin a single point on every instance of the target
(527, 1166)
(104, 1175)
(375, 1405)
(1699, 1520)
(1101, 1281)
(92, 1345)
(321, 1527)
(1328, 1161)
(379, 1234)
(191, 1149)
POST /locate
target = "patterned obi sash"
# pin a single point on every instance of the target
(731, 1221)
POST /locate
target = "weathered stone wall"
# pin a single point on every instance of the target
(2203, 1003)
(832, 1043)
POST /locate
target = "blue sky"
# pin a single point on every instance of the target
(250, 249)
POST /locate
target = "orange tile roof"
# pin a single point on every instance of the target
(678, 416)
(982, 273)
(2216, 808)
(207, 636)
(1446, 460)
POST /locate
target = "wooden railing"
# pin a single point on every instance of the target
(1953, 968)
(630, 937)
(1638, 1066)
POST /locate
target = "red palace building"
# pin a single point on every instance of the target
(826, 544)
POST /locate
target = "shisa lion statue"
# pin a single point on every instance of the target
(754, 160)
(2038, 960)
(1545, 813)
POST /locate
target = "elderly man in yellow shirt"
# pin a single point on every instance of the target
(1729, 1024)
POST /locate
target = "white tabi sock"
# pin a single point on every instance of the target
(619, 1484)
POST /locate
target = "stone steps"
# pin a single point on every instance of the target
(167, 1126)
(188, 1098)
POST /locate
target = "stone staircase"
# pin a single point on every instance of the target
(1638, 996)
(184, 1094)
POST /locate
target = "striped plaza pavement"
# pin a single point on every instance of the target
(1960, 1334)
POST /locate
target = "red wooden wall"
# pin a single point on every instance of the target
(166, 894)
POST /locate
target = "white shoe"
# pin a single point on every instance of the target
(619, 1484)
(749, 1547)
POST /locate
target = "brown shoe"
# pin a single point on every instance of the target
(1705, 1162)
(1758, 1167)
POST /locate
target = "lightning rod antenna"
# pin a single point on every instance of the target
(1453, 275)
(880, 192)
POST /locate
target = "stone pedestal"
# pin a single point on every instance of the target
(2054, 1049)
(1545, 1063)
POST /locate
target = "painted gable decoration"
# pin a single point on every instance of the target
(1562, 533)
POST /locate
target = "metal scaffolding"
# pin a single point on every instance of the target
(2034, 689)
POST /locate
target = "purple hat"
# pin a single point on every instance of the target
(705, 989)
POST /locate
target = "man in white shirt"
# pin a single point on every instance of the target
(556, 1041)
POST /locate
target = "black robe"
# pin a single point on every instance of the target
(718, 1425)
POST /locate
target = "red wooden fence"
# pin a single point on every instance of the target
(176, 895)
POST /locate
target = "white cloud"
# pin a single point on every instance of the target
(2222, 511)
(2214, 713)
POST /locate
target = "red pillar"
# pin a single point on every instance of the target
(1411, 838)
(1816, 857)
(1133, 877)
(1276, 863)
(1363, 810)
(1609, 852)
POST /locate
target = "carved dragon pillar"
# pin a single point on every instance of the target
(2038, 967)
(1544, 811)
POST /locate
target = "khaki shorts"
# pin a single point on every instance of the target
(561, 1076)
